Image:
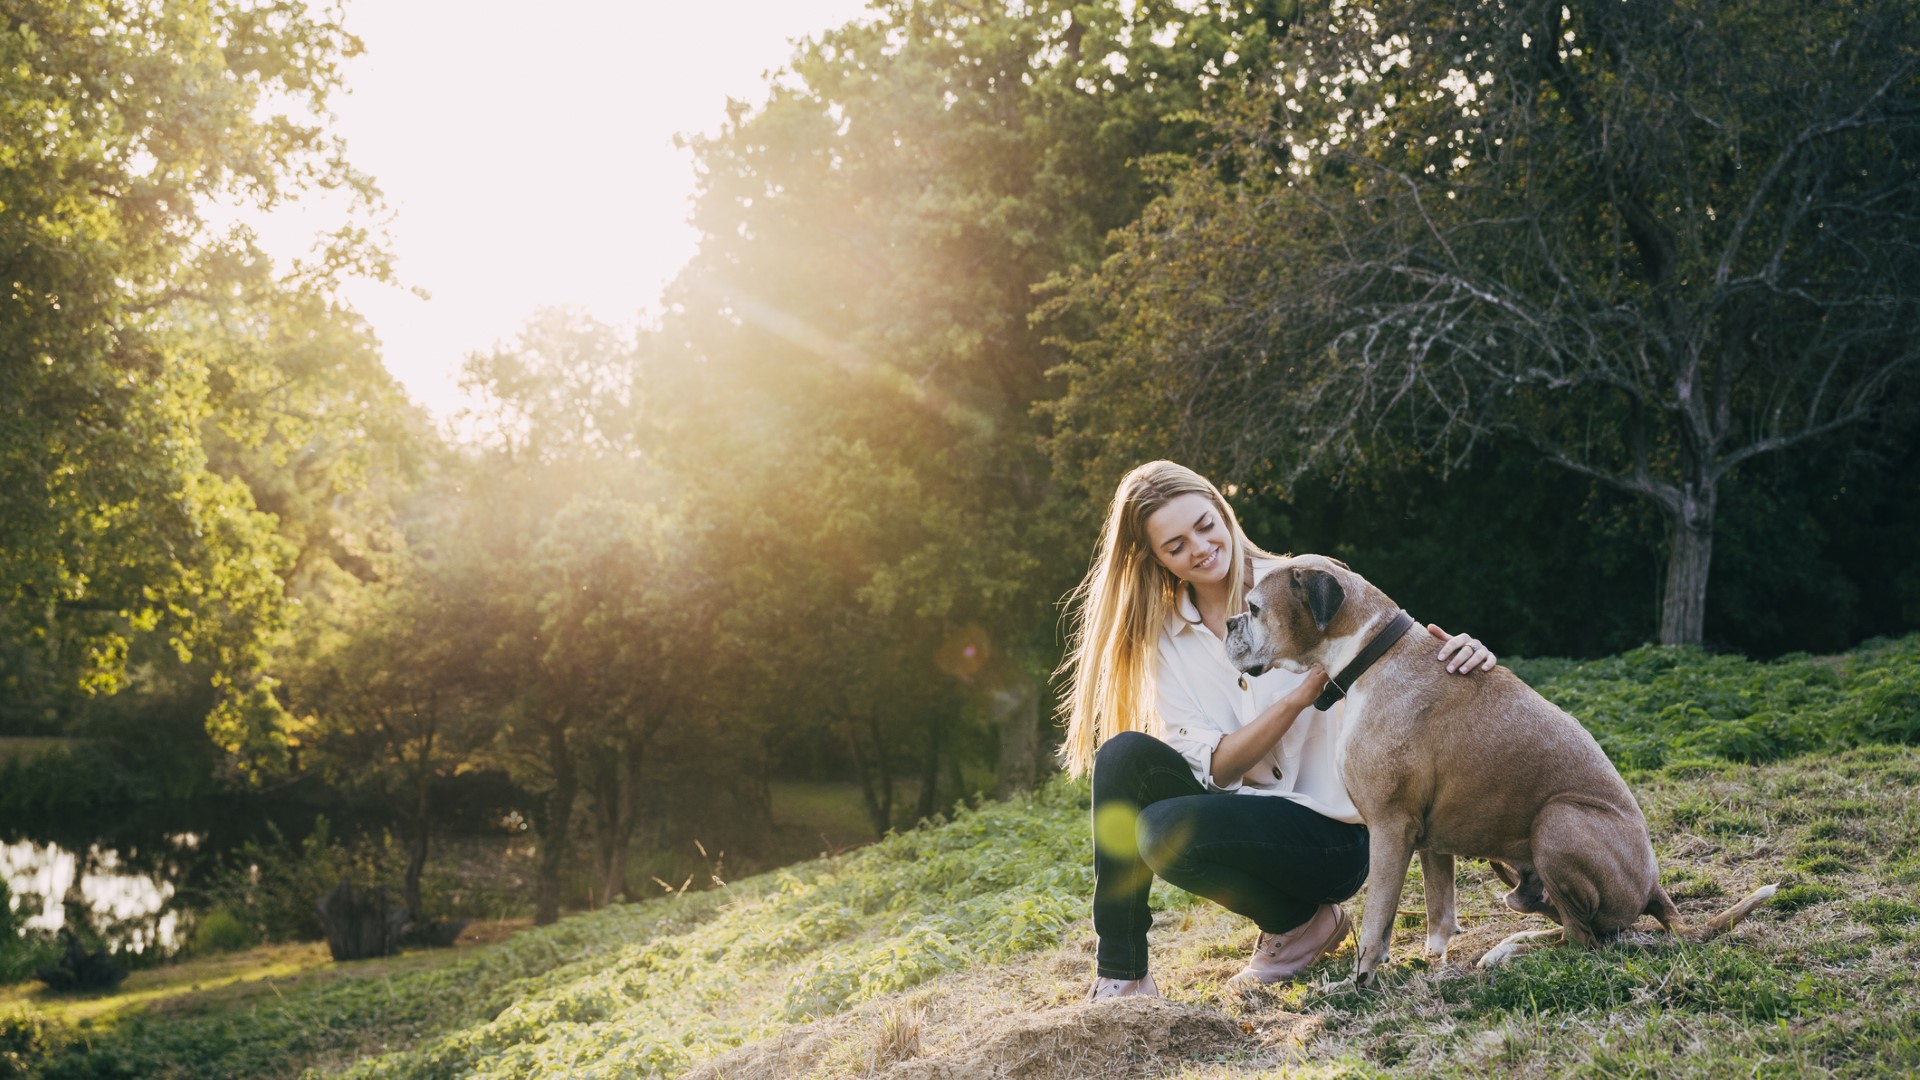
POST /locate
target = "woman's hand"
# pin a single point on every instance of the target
(1462, 653)
(1312, 685)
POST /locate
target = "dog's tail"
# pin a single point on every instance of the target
(1661, 907)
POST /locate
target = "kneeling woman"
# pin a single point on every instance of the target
(1223, 784)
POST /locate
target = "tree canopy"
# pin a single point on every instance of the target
(169, 397)
(1602, 232)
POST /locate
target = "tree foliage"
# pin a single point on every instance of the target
(1602, 232)
(153, 368)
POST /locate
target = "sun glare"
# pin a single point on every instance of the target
(531, 161)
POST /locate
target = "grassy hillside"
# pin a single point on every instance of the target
(962, 949)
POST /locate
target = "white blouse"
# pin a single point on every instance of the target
(1202, 698)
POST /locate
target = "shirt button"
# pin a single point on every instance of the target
(1276, 772)
(1183, 731)
(1243, 682)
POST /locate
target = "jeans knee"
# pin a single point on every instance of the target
(1123, 747)
(1165, 834)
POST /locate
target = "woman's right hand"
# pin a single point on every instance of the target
(1312, 685)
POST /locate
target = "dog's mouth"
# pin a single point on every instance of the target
(1256, 670)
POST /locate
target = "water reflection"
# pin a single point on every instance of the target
(120, 895)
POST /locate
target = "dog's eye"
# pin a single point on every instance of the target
(1253, 609)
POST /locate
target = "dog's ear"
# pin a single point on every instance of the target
(1323, 592)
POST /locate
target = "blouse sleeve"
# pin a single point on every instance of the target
(1184, 725)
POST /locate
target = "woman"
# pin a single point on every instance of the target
(1176, 727)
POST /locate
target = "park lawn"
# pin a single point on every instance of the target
(939, 948)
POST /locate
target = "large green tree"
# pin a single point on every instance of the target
(1647, 242)
(857, 337)
(147, 358)
(598, 580)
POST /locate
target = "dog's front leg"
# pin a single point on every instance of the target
(1390, 851)
(1436, 869)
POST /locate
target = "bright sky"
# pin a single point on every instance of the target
(528, 152)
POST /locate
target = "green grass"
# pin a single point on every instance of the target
(971, 935)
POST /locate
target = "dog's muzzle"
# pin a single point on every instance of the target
(1237, 643)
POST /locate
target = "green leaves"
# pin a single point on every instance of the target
(173, 414)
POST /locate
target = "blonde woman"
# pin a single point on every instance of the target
(1225, 785)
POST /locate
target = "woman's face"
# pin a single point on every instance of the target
(1190, 539)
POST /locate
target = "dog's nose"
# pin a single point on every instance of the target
(1234, 621)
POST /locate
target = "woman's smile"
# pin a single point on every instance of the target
(1188, 538)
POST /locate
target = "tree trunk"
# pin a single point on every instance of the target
(1683, 610)
(601, 784)
(930, 768)
(360, 924)
(1017, 712)
(613, 873)
(876, 784)
(417, 843)
(555, 830)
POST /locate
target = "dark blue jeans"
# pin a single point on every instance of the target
(1267, 858)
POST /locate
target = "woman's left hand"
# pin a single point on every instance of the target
(1462, 653)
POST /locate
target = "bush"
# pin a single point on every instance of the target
(270, 888)
(22, 951)
(221, 931)
(26, 1039)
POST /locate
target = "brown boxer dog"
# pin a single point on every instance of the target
(1476, 767)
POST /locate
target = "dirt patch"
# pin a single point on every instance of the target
(1128, 1037)
(1125, 1037)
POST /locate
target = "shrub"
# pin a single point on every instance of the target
(270, 887)
(27, 1039)
(22, 951)
(220, 931)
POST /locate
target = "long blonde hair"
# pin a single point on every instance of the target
(1120, 608)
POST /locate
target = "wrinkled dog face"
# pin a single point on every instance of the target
(1285, 624)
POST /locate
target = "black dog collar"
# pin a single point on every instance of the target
(1396, 628)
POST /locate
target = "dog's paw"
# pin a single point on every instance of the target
(1364, 980)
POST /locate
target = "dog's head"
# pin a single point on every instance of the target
(1292, 614)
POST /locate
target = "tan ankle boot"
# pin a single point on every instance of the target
(1282, 956)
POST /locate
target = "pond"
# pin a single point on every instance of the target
(120, 893)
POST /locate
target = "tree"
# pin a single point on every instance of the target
(395, 710)
(122, 123)
(598, 579)
(626, 613)
(857, 322)
(1648, 241)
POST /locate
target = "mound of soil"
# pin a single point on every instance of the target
(1128, 1037)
